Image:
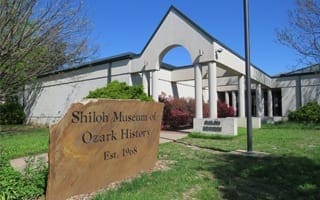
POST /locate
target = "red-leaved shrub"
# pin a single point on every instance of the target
(179, 112)
(176, 112)
(224, 110)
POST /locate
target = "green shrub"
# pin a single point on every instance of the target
(308, 113)
(11, 112)
(117, 90)
(29, 184)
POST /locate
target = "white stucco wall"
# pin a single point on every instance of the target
(288, 100)
(174, 31)
(53, 94)
(172, 88)
(297, 91)
(310, 88)
(233, 62)
(51, 97)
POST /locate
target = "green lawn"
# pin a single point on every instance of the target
(16, 141)
(292, 171)
(281, 140)
(20, 141)
(201, 175)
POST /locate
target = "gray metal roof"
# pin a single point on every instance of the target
(122, 56)
(312, 69)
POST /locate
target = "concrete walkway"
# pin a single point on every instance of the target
(172, 136)
(165, 136)
(20, 163)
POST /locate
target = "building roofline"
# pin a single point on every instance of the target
(101, 61)
(300, 72)
(130, 55)
(297, 74)
(199, 29)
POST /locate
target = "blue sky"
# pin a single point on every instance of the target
(120, 26)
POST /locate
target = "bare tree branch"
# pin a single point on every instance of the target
(303, 31)
(37, 36)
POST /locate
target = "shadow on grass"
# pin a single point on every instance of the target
(292, 125)
(202, 147)
(246, 178)
(210, 136)
(13, 128)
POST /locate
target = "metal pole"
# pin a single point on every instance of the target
(248, 76)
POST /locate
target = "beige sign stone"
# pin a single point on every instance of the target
(101, 141)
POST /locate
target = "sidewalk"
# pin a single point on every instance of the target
(165, 136)
(171, 136)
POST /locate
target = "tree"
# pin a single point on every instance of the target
(37, 36)
(303, 31)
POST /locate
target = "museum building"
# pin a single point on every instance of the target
(216, 72)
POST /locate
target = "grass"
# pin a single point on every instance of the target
(183, 179)
(281, 140)
(292, 171)
(16, 141)
(20, 141)
(203, 175)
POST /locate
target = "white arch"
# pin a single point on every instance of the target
(172, 49)
(166, 37)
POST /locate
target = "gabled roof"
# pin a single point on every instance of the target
(188, 20)
(312, 69)
(200, 30)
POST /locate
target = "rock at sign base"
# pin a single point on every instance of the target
(100, 141)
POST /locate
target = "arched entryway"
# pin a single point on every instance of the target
(177, 56)
(173, 58)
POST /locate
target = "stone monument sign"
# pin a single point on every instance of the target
(223, 126)
(100, 141)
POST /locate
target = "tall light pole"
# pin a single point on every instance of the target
(248, 75)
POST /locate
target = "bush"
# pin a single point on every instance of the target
(117, 90)
(29, 184)
(224, 110)
(179, 112)
(11, 112)
(308, 113)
